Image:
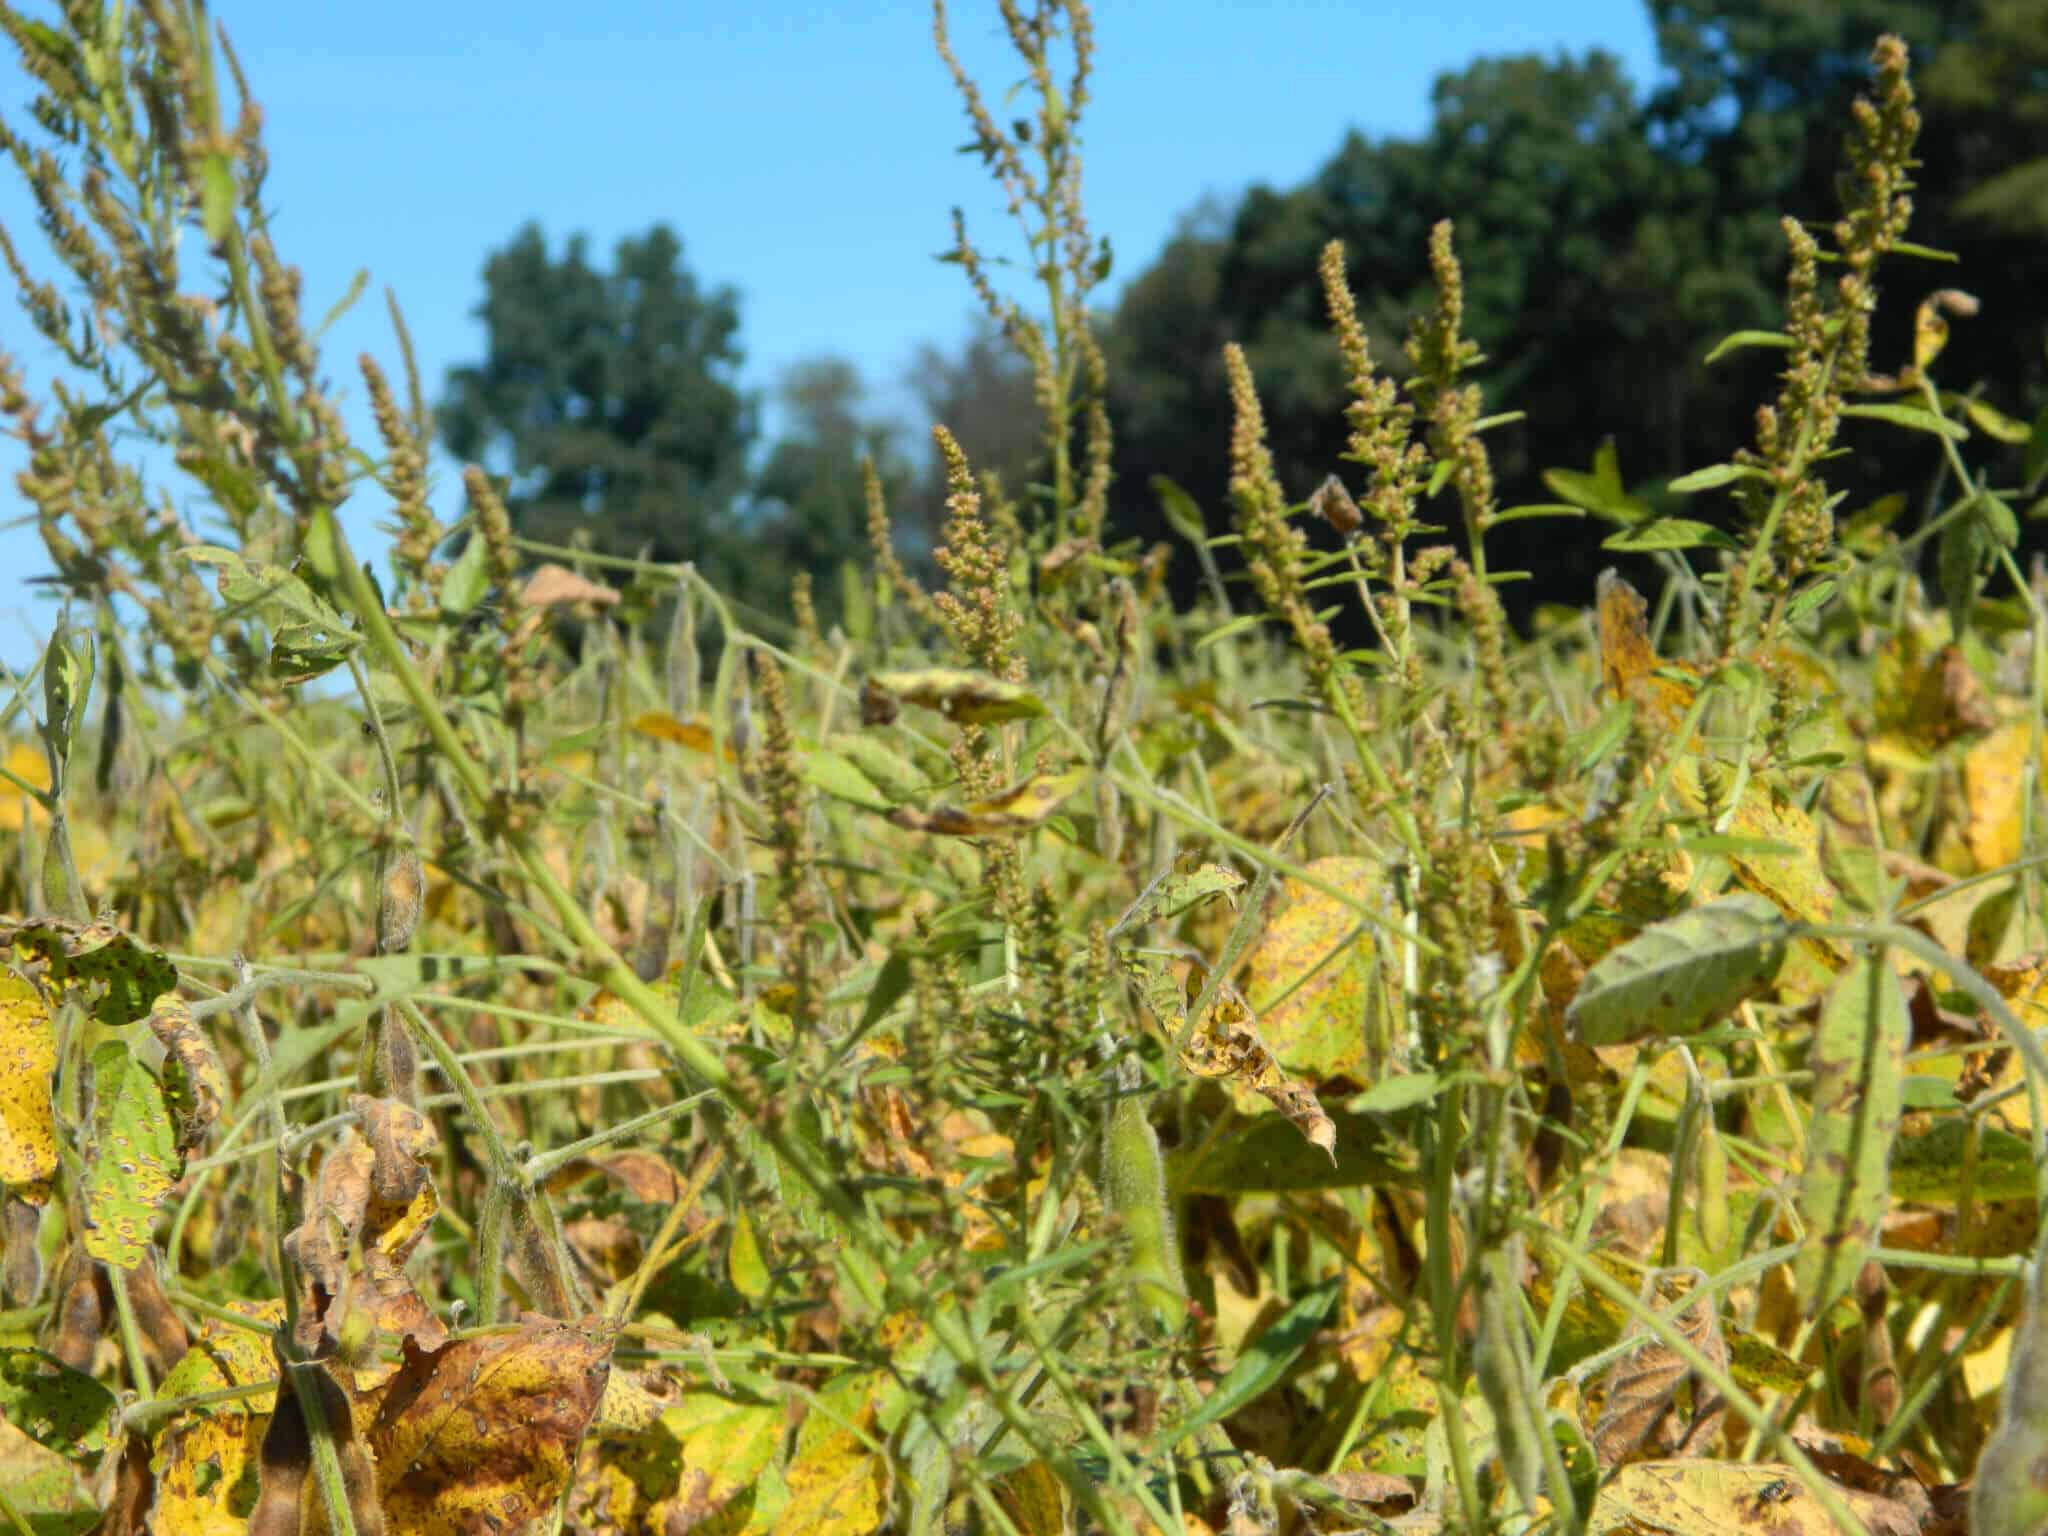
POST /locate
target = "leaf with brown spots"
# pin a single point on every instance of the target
(480, 1435)
(120, 977)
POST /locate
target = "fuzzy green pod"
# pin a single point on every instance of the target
(1858, 1060)
(1711, 1214)
(1134, 1188)
(2010, 1496)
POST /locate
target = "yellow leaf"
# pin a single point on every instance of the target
(30, 764)
(1313, 976)
(661, 726)
(966, 698)
(743, 1261)
(1793, 880)
(837, 1487)
(28, 1061)
(1628, 665)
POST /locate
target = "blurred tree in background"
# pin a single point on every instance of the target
(608, 400)
(1608, 238)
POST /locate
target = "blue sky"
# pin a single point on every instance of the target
(803, 152)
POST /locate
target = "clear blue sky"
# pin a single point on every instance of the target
(803, 152)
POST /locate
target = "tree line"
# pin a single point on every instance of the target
(1609, 236)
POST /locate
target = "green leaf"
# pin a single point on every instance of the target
(1397, 1093)
(54, 1405)
(1261, 1365)
(2035, 460)
(1268, 1155)
(1917, 418)
(1736, 341)
(1712, 476)
(468, 579)
(1183, 516)
(1672, 978)
(835, 775)
(342, 305)
(1928, 1169)
(133, 1160)
(1858, 1064)
(1669, 533)
(68, 665)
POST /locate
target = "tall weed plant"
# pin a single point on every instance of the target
(1027, 1059)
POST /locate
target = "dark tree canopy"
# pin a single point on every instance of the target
(607, 398)
(1607, 242)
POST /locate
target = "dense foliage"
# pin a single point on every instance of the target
(1023, 1055)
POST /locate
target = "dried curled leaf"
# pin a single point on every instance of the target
(374, 1196)
(1015, 810)
(554, 586)
(1223, 1044)
(966, 698)
(195, 1084)
(1642, 1393)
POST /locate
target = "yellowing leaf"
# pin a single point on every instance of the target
(1313, 977)
(1994, 777)
(1628, 664)
(206, 1460)
(28, 1060)
(1013, 811)
(1035, 1500)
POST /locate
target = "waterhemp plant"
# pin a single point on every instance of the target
(1029, 1058)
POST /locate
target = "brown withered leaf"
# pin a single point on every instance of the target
(373, 1192)
(480, 1435)
(553, 586)
(642, 1174)
(1642, 1411)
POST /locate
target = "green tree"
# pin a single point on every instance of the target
(607, 399)
(810, 510)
